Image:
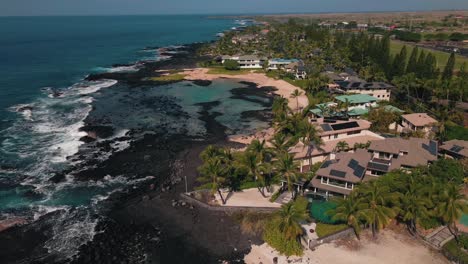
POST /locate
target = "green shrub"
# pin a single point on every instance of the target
(273, 236)
(248, 185)
(429, 222)
(231, 65)
(454, 253)
(318, 211)
(326, 229)
(275, 196)
(463, 241)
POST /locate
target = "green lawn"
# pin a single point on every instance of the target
(168, 78)
(326, 229)
(222, 70)
(441, 56)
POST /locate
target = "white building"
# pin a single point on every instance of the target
(246, 61)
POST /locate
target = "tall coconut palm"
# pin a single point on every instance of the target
(290, 216)
(210, 152)
(259, 148)
(350, 210)
(280, 105)
(212, 172)
(452, 204)
(288, 168)
(295, 95)
(377, 210)
(255, 168)
(414, 203)
(279, 144)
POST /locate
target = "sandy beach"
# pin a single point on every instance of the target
(283, 89)
(390, 247)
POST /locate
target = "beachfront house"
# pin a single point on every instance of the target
(398, 153)
(418, 122)
(379, 90)
(298, 69)
(455, 149)
(333, 131)
(280, 64)
(246, 61)
(353, 106)
(340, 172)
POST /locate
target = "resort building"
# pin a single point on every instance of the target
(379, 90)
(340, 172)
(244, 39)
(246, 61)
(294, 66)
(418, 122)
(357, 105)
(332, 132)
(456, 149)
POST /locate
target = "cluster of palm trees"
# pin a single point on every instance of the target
(407, 197)
(262, 162)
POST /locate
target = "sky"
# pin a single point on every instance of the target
(127, 7)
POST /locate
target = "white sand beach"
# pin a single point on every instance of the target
(388, 248)
(284, 88)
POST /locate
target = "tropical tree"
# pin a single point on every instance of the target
(414, 203)
(259, 148)
(295, 95)
(290, 216)
(342, 146)
(255, 168)
(288, 168)
(377, 210)
(452, 204)
(213, 172)
(279, 144)
(350, 210)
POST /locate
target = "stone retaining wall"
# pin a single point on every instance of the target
(326, 239)
(199, 203)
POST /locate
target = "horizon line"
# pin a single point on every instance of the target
(238, 14)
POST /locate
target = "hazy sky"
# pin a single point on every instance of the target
(91, 7)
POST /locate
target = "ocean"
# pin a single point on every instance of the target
(45, 100)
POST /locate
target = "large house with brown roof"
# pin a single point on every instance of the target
(457, 149)
(332, 131)
(340, 173)
(418, 122)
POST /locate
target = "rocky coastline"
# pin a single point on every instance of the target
(146, 222)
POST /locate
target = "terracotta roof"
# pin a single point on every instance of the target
(419, 119)
(456, 147)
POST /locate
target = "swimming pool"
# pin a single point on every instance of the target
(464, 219)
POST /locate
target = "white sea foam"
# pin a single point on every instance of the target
(93, 87)
(129, 68)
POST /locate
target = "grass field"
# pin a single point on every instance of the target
(222, 70)
(168, 78)
(441, 56)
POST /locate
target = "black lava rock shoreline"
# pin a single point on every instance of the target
(147, 222)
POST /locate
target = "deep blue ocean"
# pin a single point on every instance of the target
(44, 101)
(38, 52)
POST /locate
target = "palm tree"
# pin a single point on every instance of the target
(210, 152)
(288, 168)
(213, 172)
(376, 199)
(289, 218)
(350, 210)
(342, 146)
(414, 203)
(255, 168)
(296, 95)
(452, 204)
(258, 147)
(280, 105)
(279, 144)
